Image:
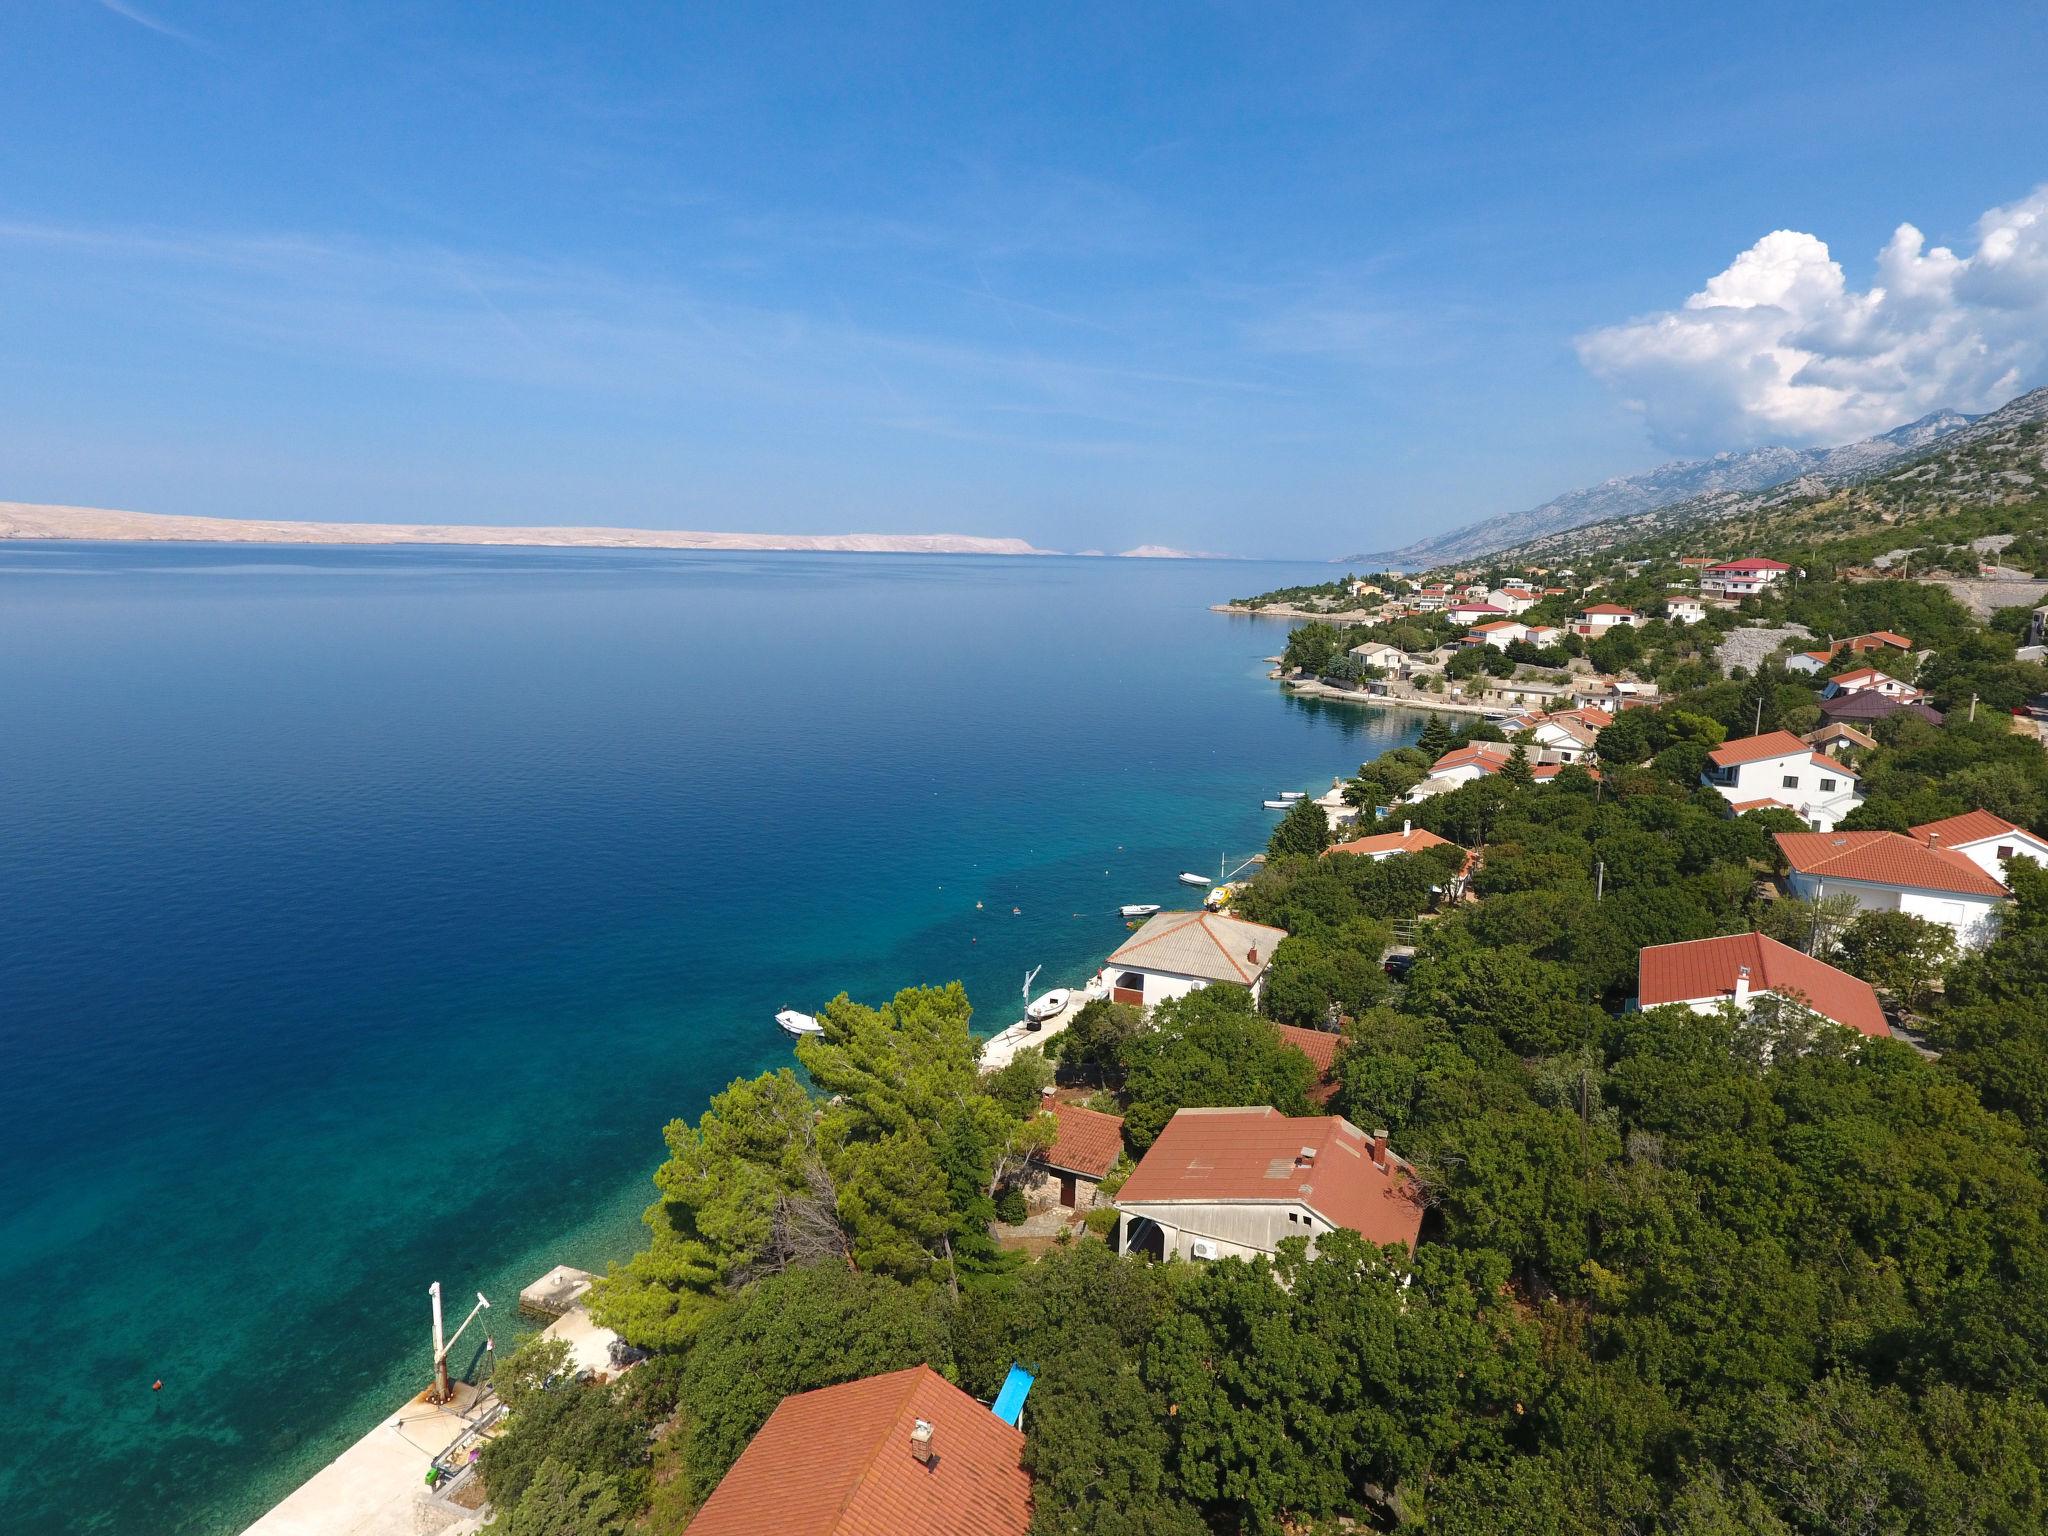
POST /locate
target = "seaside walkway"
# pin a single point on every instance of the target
(378, 1486)
(998, 1051)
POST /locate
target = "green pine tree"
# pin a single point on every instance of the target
(1436, 738)
(1516, 769)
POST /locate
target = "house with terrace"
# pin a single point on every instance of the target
(1595, 621)
(1742, 578)
(1234, 1183)
(1890, 872)
(1175, 953)
(1778, 769)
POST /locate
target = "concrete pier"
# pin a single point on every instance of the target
(378, 1486)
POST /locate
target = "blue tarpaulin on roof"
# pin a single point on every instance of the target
(1010, 1401)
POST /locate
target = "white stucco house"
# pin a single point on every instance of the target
(1175, 953)
(1742, 968)
(1889, 872)
(1595, 621)
(1232, 1183)
(1987, 841)
(1683, 609)
(1868, 680)
(1777, 768)
(1377, 653)
(1742, 578)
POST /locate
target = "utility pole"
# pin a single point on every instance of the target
(1599, 881)
(441, 1389)
(1973, 709)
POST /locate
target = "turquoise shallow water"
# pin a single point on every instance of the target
(365, 913)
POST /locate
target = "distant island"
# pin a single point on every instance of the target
(22, 520)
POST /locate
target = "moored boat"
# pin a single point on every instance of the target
(1049, 1006)
(1276, 805)
(799, 1024)
(1188, 879)
(1139, 909)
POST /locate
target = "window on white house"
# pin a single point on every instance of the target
(1791, 781)
(2004, 852)
(1826, 785)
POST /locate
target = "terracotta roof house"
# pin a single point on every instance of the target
(1224, 1183)
(1320, 1046)
(1384, 845)
(1601, 617)
(1872, 705)
(1088, 1146)
(1856, 645)
(903, 1454)
(1741, 578)
(1869, 680)
(1472, 611)
(1986, 840)
(1886, 872)
(1703, 974)
(1779, 768)
(1176, 953)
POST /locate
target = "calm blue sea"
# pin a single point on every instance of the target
(365, 913)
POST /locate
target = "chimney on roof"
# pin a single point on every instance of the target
(1252, 954)
(1305, 1158)
(1045, 1093)
(921, 1441)
(1742, 987)
(1379, 1149)
(1406, 827)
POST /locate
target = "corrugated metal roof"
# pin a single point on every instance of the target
(837, 1462)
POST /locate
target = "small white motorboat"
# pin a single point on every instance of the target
(1139, 909)
(1276, 805)
(1188, 879)
(1049, 1006)
(799, 1024)
(1292, 794)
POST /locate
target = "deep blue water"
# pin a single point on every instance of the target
(365, 913)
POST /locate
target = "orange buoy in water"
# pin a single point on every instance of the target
(157, 1385)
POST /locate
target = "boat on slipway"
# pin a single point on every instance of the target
(1050, 1006)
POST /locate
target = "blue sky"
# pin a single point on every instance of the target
(1265, 279)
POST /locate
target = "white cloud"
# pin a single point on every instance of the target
(1779, 348)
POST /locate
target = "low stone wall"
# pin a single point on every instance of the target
(1984, 598)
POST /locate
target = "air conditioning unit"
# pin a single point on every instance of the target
(1202, 1248)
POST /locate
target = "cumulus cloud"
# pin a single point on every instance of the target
(1778, 348)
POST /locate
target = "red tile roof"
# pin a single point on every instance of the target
(1704, 969)
(1233, 1156)
(1970, 827)
(1608, 608)
(1889, 637)
(1089, 1143)
(1885, 858)
(1757, 749)
(1390, 842)
(837, 1462)
(1318, 1045)
(1487, 756)
(1751, 564)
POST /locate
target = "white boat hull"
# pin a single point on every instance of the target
(1196, 880)
(790, 1022)
(1140, 910)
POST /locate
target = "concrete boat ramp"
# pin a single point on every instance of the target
(998, 1051)
(378, 1486)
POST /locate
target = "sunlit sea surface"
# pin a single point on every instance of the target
(364, 914)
